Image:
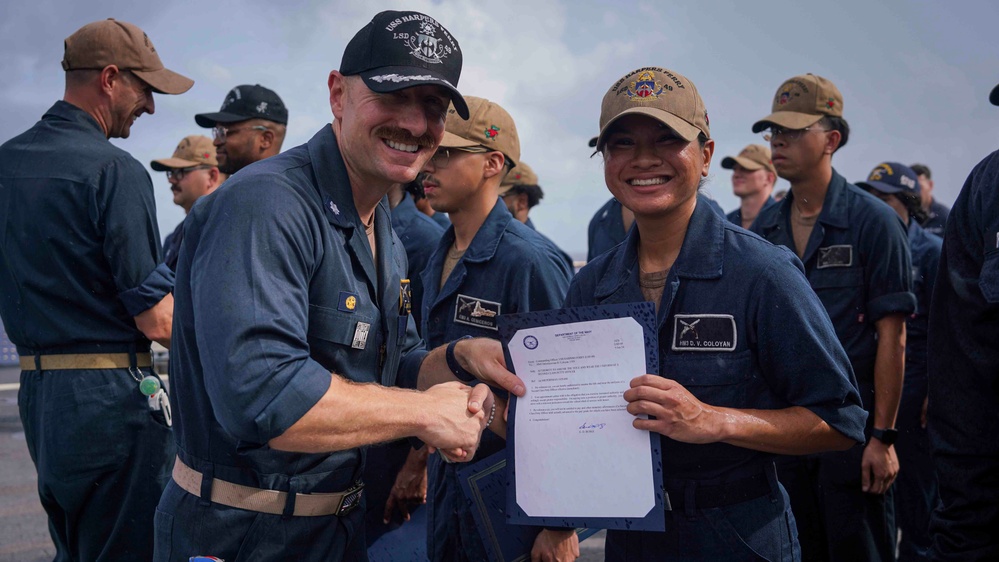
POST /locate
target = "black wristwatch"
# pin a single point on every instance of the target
(886, 436)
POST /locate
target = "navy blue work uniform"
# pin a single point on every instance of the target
(506, 269)
(276, 288)
(916, 485)
(419, 235)
(606, 229)
(735, 217)
(561, 253)
(171, 246)
(79, 249)
(936, 218)
(771, 347)
(857, 261)
(964, 374)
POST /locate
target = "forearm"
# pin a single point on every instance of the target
(156, 323)
(790, 431)
(434, 369)
(352, 415)
(889, 370)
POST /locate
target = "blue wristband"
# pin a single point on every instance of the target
(452, 362)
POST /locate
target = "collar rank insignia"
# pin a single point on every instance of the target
(348, 302)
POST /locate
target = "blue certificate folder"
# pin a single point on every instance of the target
(485, 484)
(645, 314)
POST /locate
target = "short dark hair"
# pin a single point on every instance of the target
(913, 205)
(534, 193)
(832, 123)
(922, 170)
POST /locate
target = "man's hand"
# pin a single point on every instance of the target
(879, 467)
(555, 546)
(410, 488)
(483, 357)
(456, 419)
(679, 415)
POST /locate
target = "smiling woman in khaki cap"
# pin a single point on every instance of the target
(725, 402)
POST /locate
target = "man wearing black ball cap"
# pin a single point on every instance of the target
(250, 126)
(293, 322)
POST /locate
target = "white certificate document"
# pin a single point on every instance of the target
(576, 452)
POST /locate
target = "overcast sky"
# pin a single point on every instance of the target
(915, 75)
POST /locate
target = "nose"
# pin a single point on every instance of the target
(150, 105)
(218, 141)
(646, 155)
(412, 118)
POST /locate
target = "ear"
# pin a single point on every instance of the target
(214, 176)
(520, 202)
(267, 139)
(337, 84)
(495, 164)
(832, 141)
(706, 152)
(110, 77)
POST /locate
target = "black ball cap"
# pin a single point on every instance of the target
(247, 102)
(398, 50)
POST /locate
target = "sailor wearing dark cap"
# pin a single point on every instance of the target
(916, 486)
(293, 321)
(250, 126)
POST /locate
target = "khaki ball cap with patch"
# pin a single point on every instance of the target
(801, 102)
(488, 125)
(664, 95)
(193, 150)
(102, 43)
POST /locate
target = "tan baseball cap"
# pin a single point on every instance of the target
(194, 150)
(662, 94)
(753, 157)
(801, 101)
(521, 174)
(488, 125)
(99, 44)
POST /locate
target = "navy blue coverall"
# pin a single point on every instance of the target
(760, 340)
(276, 288)
(916, 485)
(507, 268)
(79, 248)
(857, 261)
(964, 374)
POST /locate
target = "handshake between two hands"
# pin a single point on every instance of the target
(465, 411)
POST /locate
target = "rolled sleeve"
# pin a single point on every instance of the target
(806, 363)
(888, 268)
(250, 276)
(158, 284)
